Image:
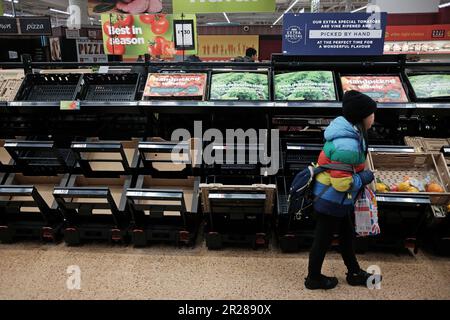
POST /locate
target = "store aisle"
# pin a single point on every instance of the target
(34, 271)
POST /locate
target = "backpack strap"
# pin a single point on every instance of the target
(338, 166)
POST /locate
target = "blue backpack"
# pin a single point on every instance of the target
(301, 198)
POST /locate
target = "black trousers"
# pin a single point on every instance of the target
(326, 226)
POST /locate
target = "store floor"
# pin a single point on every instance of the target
(35, 271)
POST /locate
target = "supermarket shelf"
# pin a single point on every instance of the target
(85, 107)
(433, 105)
(188, 107)
(418, 199)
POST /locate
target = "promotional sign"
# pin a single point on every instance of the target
(35, 25)
(175, 85)
(334, 33)
(91, 50)
(8, 26)
(379, 88)
(55, 49)
(244, 86)
(417, 47)
(72, 33)
(305, 85)
(207, 6)
(225, 47)
(433, 32)
(92, 34)
(132, 36)
(430, 85)
(96, 7)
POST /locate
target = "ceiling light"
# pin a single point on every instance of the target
(8, 15)
(444, 5)
(356, 10)
(15, 1)
(287, 10)
(59, 11)
(226, 17)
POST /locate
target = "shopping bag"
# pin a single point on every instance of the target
(366, 214)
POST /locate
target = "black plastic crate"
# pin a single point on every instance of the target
(110, 87)
(50, 87)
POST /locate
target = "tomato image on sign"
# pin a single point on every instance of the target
(125, 6)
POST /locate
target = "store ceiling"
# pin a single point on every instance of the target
(41, 7)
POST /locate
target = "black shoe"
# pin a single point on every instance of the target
(323, 282)
(359, 279)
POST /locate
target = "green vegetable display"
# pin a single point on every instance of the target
(431, 85)
(305, 85)
(239, 86)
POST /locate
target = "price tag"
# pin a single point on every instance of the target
(184, 34)
(11, 144)
(62, 191)
(69, 105)
(79, 145)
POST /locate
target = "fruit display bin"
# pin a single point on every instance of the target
(165, 210)
(110, 87)
(28, 209)
(164, 203)
(237, 214)
(94, 209)
(391, 168)
(49, 87)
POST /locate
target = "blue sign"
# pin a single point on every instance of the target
(334, 33)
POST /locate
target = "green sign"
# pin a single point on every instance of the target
(206, 6)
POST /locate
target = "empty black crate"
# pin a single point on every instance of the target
(49, 87)
(110, 87)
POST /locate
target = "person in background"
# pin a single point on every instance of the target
(250, 56)
(336, 191)
(193, 58)
(139, 68)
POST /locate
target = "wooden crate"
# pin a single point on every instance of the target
(391, 168)
(416, 143)
(10, 82)
(420, 144)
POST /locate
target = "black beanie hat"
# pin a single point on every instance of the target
(356, 106)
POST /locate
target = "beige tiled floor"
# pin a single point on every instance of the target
(35, 271)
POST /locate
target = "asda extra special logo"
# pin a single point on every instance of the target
(293, 34)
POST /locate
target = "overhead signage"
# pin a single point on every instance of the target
(334, 33)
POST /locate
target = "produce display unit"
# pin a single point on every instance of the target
(165, 200)
(93, 202)
(302, 121)
(238, 201)
(438, 222)
(27, 207)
